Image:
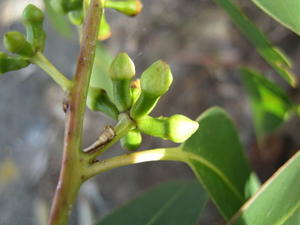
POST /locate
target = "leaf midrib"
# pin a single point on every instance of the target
(217, 171)
(166, 205)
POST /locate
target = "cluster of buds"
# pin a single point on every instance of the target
(76, 10)
(138, 98)
(23, 47)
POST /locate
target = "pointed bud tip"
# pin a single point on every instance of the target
(122, 68)
(157, 78)
(181, 128)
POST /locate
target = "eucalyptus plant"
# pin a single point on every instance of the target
(210, 144)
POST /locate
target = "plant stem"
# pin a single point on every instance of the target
(159, 154)
(72, 163)
(40, 60)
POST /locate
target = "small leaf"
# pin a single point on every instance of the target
(277, 202)
(271, 54)
(218, 160)
(286, 12)
(173, 203)
(58, 21)
(269, 103)
(99, 77)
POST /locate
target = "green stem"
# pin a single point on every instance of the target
(73, 161)
(298, 110)
(124, 125)
(159, 154)
(40, 60)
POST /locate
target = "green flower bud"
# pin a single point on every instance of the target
(155, 82)
(33, 19)
(129, 7)
(121, 72)
(132, 140)
(15, 42)
(76, 17)
(176, 128)
(65, 6)
(180, 128)
(10, 63)
(104, 29)
(98, 100)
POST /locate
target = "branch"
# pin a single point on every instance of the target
(159, 154)
(72, 163)
(41, 61)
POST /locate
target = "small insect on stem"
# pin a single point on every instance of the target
(106, 136)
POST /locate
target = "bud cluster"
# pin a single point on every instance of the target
(76, 10)
(24, 47)
(138, 98)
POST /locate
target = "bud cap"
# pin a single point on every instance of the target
(32, 14)
(157, 78)
(122, 68)
(181, 128)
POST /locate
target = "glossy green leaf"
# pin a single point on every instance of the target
(277, 202)
(270, 53)
(270, 105)
(99, 77)
(58, 21)
(173, 203)
(218, 160)
(286, 12)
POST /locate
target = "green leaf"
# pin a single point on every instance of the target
(218, 160)
(58, 21)
(271, 54)
(285, 12)
(277, 202)
(99, 77)
(270, 105)
(173, 203)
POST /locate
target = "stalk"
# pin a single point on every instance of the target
(73, 161)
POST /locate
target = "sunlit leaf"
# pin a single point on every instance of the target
(269, 103)
(278, 200)
(286, 12)
(218, 160)
(271, 54)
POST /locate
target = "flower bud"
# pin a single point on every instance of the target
(104, 29)
(98, 100)
(155, 82)
(180, 128)
(33, 19)
(129, 7)
(121, 71)
(132, 140)
(10, 63)
(176, 128)
(15, 42)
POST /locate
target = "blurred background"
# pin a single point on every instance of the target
(204, 50)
